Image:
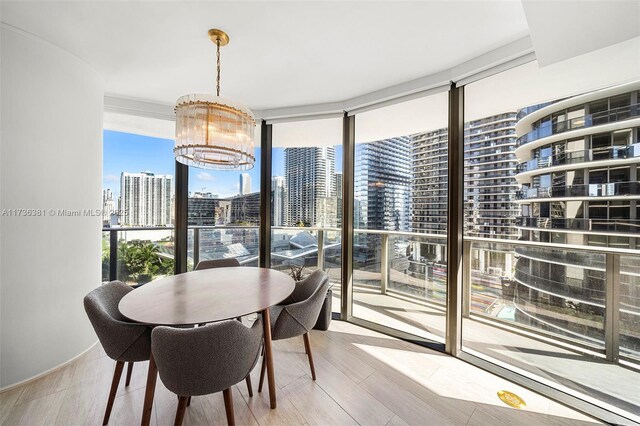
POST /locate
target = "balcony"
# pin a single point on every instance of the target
(588, 120)
(617, 189)
(577, 157)
(609, 226)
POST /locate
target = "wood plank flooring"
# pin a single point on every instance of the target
(364, 378)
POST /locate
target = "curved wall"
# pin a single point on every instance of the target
(50, 158)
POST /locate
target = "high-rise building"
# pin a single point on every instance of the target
(309, 175)
(326, 212)
(245, 184)
(245, 209)
(338, 179)
(429, 181)
(382, 185)
(108, 206)
(145, 199)
(338, 184)
(579, 160)
(203, 211)
(278, 200)
(489, 177)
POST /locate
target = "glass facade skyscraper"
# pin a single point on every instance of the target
(309, 174)
(382, 185)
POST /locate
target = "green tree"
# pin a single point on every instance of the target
(139, 261)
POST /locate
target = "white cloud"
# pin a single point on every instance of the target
(204, 176)
(111, 178)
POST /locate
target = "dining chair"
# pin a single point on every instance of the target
(123, 341)
(205, 360)
(298, 313)
(217, 263)
(224, 263)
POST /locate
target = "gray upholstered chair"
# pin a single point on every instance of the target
(217, 263)
(223, 263)
(298, 313)
(122, 340)
(205, 360)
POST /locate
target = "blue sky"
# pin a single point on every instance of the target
(124, 152)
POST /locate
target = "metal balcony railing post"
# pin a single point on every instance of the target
(321, 249)
(196, 247)
(113, 255)
(384, 264)
(612, 308)
(466, 278)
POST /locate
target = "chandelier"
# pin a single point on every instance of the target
(213, 132)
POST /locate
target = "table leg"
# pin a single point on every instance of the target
(152, 375)
(268, 354)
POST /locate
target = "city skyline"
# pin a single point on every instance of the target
(125, 152)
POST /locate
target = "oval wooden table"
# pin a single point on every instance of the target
(207, 296)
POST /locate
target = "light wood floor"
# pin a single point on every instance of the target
(364, 378)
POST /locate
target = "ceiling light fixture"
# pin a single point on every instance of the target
(213, 132)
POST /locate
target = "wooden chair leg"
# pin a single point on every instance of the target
(228, 406)
(307, 348)
(262, 371)
(129, 371)
(117, 373)
(182, 407)
(249, 387)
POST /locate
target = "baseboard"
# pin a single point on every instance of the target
(49, 371)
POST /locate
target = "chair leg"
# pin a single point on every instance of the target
(262, 371)
(228, 406)
(129, 371)
(249, 387)
(117, 373)
(307, 348)
(182, 407)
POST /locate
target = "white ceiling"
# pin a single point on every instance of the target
(281, 53)
(564, 29)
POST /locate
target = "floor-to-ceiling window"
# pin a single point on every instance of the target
(551, 229)
(137, 207)
(223, 214)
(306, 199)
(400, 218)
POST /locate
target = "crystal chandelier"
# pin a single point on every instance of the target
(213, 132)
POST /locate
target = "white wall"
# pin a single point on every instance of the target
(50, 158)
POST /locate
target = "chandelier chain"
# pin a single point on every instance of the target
(218, 67)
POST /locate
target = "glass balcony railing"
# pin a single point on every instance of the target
(559, 126)
(558, 292)
(586, 190)
(575, 157)
(623, 226)
(222, 242)
(570, 305)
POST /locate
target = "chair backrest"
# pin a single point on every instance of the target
(208, 359)
(217, 263)
(300, 316)
(306, 287)
(120, 338)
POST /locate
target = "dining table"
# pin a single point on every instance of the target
(207, 296)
